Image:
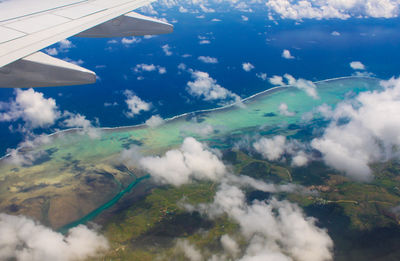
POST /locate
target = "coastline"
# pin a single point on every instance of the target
(144, 125)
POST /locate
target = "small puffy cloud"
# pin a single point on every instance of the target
(182, 66)
(244, 18)
(277, 80)
(262, 76)
(271, 149)
(166, 49)
(193, 160)
(32, 107)
(216, 20)
(76, 62)
(112, 41)
(51, 51)
(300, 160)
(28, 156)
(23, 239)
(207, 59)
(247, 67)
(144, 67)
(276, 147)
(284, 110)
(148, 36)
(183, 10)
(62, 47)
(230, 245)
(190, 252)
(130, 40)
(206, 87)
(206, 9)
(65, 45)
(149, 68)
(79, 121)
(162, 70)
(154, 121)
(110, 104)
(287, 55)
(135, 104)
(357, 65)
(335, 33)
(204, 41)
(308, 86)
(198, 128)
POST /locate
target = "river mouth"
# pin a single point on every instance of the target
(93, 214)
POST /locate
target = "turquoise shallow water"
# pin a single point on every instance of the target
(72, 155)
(224, 121)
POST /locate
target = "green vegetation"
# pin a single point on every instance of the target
(157, 220)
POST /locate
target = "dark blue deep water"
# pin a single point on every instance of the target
(319, 55)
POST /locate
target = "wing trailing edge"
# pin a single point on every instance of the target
(130, 24)
(42, 70)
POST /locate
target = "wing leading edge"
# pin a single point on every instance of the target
(21, 65)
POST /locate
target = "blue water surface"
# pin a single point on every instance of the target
(318, 55)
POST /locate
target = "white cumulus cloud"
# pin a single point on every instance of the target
(135, 104)
(166, 49)
(207, 59)
(284, 110)
(356, 65)
(155, 121)
(327, 9)
(370, 134)
(130, 40)
(277, 80)
(308, 86)
(287, 55)
(193, 160)
(149, 68)
(206, 87)
(25, 240)
(32, 107)
(273, 230)
(276, 147)
(247, 67)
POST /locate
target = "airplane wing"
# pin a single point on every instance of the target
(27, 26)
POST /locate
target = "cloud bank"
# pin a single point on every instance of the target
(273, 230)
(369, 134)
(24, 240)
(293, 9)
(328, 9)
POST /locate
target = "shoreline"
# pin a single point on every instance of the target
(144, 125)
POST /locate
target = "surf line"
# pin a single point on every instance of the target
(90, 216)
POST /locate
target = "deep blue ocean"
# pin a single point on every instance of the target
(318, 55)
